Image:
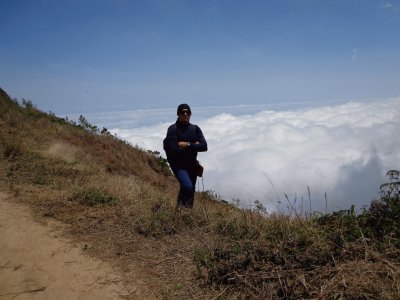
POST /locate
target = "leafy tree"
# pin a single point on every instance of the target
(86, 125)
(382, 218)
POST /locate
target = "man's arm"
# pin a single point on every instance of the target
(201, 143)
(171, 141)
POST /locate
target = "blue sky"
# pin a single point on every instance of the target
(78, 56)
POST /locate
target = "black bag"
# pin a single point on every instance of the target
(199, 169)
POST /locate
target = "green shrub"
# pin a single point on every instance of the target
(382, 219)
(158, 163)
(11, 150)
(84, 123)
(223, 262)
(161, 221)
(93, 197)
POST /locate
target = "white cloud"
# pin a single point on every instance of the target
(343, 151)
(391, 6)
(387, 4)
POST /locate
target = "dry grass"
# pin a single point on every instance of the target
(119, 203)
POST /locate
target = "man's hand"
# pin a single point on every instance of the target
(182, 145)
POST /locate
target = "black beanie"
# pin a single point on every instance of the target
(181, 107)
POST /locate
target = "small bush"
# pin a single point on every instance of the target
(84, 123)
(382, 219)
(93, 197)
(159, 164)
(11, 150)
(161, 221)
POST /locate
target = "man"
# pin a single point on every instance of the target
(181, 145)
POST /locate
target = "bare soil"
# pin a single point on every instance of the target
(36, 262)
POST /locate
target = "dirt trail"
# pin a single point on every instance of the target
(35, 263)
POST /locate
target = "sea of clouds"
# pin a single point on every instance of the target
(325, 157)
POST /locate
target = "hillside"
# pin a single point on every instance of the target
(119, 201)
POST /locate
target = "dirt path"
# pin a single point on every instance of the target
(37, 264)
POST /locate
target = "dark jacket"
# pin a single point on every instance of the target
(184, 158)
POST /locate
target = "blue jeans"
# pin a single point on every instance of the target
(187, 180)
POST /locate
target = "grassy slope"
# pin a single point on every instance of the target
(119, 201)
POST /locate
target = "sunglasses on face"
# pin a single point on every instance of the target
(185, 112)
